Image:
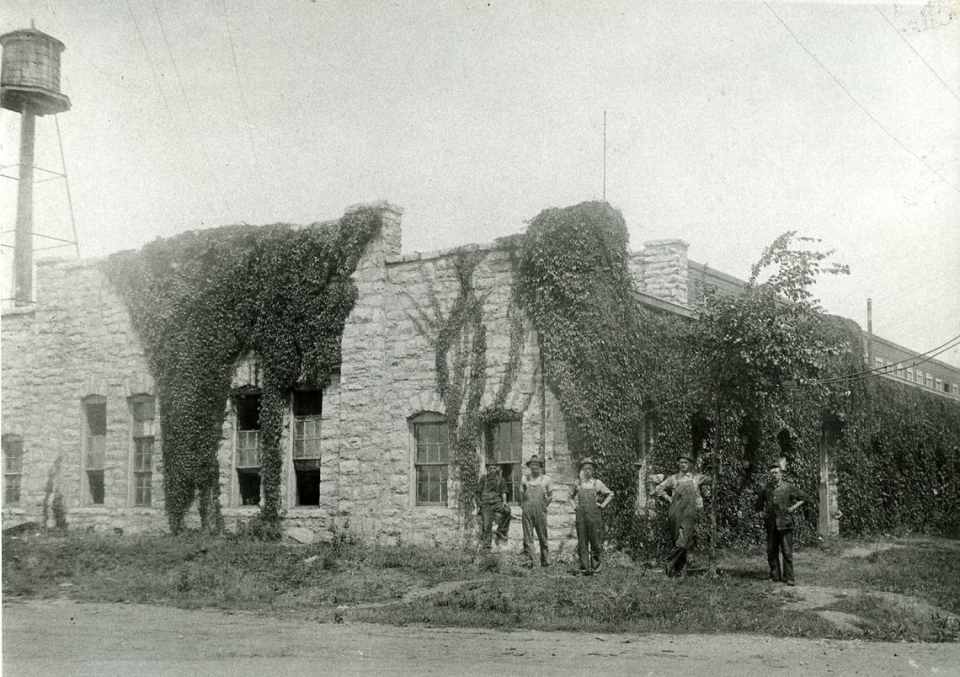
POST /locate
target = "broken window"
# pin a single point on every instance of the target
(248, 447)
(505, 448)
(307, 416)
(432, 460)
(12, 468)
(144, 417)
(95, 447)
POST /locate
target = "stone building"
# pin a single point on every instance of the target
(368, 453)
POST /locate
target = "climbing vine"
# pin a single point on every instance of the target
(574, 284)
(202, 300)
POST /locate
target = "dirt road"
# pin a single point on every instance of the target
(65, 638)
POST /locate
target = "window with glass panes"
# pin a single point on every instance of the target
(248, 447)
(12, 468)
(95, 447)
(144, 416)
(505, 449)
(307, 415)
(432, 458)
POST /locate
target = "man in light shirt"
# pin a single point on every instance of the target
(536, 493)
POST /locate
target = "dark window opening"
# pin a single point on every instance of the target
(248, 412)
(308, 402)
(505, 448)
(308, 481)
(96, 418)
(95, 483)
(701, 436)
(249, 486)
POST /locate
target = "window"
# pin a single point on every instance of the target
(432, 458)
(505, 448)
(878, 362)
(939, 385)
(929, 380)
(307, 414)
(144, 415)
(12, 468)
(95, 447)
(956, 389)
(910, 375)
(900, 373)
(248, 447)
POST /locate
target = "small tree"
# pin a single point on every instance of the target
(749, 346)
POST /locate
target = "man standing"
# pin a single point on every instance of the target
(779, 500)
(588, 498)
(537, 494)
(682, 493)
(492, 499)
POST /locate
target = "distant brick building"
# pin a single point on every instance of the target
(80, 417)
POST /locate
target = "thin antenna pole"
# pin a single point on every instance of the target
(604, 156)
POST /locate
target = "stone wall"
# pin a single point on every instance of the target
(78, 341)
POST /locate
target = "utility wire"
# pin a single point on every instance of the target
(163, 95)
(243, 101)
(193, 117)
(909, 362)
(859, 105)
(912, 49)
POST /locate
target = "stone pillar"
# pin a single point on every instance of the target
(665, 272)
(827, 524)
(362, 374)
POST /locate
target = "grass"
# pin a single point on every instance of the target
(494, 591)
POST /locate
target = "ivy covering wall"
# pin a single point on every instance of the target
(202, 300)
(614, 365)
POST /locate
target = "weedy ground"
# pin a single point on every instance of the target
(898, 589)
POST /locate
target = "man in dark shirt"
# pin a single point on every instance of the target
(492, 501)
(779, 500)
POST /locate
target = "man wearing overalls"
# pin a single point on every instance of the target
(537, 494)
(588, 498)
(682, 493)
(493, 507)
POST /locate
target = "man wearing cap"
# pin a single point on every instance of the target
(779, 500)
(536, 495)
(682, 492)
(492, 499)
(588, 498)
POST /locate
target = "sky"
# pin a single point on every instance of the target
(727, 124)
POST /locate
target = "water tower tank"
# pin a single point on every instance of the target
(31, 72)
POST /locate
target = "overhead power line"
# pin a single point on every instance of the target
(909, 362)
(163, 95)
(193, 117)
(912, 49)
(858, 104)
(246, 117)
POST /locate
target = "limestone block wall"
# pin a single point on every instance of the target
(75, 342)
(664, 271)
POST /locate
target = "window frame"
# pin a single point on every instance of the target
(244, 452)
(12, 477)
(93, 457)
(424, 465)
(514, 457)
(305, 462)
(143, 431)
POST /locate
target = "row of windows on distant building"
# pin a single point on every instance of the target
(503, 446)
(917, 376)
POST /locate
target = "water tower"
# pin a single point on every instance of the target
(29, 85)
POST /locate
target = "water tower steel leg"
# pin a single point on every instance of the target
(23, 253)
